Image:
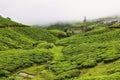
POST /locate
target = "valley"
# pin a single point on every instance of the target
(36, 53)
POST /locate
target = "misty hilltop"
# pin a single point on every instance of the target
(7, 22)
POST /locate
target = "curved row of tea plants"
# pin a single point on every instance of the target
(23, 38)
(13, 60)
(87, 50)
(98, 36)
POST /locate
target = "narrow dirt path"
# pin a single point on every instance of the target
(57, 53)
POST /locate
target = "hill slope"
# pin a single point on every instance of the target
(22, 47)
(88, 50)
(7, 22)
(41, 55)
(19, 46)
(23, 38)
(92, 55)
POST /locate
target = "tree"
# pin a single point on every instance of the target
(8, 18)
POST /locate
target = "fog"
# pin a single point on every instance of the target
(49, 11)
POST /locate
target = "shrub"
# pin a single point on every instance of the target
(115, 25)
(68, 75)
(61, 67)
(111, 55)
(58, 33)
(114, 70)
(13, 60)
(89, 63)
(45, 45)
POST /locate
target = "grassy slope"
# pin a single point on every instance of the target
(18, 40)
(103, 47)
(76, 57)
(39, 71)
(100, 69)
(72, 57)
(21, 38)
(57, 53)
(4, 22)
(36, 33)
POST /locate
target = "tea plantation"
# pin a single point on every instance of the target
(7, 22)
(33, 53)
(89, 49)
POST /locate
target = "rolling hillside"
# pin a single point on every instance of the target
(92, 55)
(93, 49)
(32, 53)
(23, 38)
(7, 22)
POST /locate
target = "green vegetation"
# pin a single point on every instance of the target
(36, 33)
(7, 22)
(116, 25)
(58, 33)
(23, 38)
(59, 26)
(33, 53)
(12, 60)
(89, 49)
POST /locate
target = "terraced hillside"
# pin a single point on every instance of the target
(89, 56)
(86, 51)
(32, 53)
(22, 47)
(20, 38)
(7, 22)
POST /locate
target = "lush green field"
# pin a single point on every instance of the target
(12, 60)
(22, 47)
(23, 38)
(7, 22)
(32, 53)
(87, 50)
(89, 56)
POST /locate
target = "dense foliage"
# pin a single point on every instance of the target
(23, 38)
(78, 57)
(7, 22)
(89, 49)
(12, 60)
(59, 26)
(58, 33)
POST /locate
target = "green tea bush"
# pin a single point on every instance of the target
(23, 38)
(61, 67)
(68, 75)
(111, 55)
(115, 25)
(13, 60)
(114, 70)
(58, 33)
(115, 76)
(89, 63)
(98, 38)
(36, 34)
(14, 40)
(79, 59)
(45, 45)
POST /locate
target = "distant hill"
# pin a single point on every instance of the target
(7, 22)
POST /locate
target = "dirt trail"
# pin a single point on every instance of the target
(24, 74)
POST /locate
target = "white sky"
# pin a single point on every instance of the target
(47, 11)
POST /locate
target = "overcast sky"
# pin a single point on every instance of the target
(47, 11)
